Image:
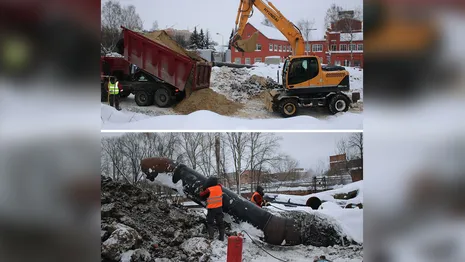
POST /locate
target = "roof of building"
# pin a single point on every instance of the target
(273, 33)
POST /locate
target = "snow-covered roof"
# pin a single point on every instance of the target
(355, 36)
(268, 31)
(273, 33)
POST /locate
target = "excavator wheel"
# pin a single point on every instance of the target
(288, 107)
(338, 103)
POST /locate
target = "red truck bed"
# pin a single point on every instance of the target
(162, 62)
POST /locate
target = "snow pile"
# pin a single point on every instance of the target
(356, 81)
(166, 180)
(206, 120)
(240, 84)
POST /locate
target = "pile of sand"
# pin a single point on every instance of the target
(207, 99)
(163, 38)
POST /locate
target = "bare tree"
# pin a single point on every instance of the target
(112, 147)
(133, 150)
(356, 142)
(238, 145)
(191, 143)
(286, 166)
(131, 19)
(306, 26)
(155, 25)
(332, 15)
(262, 148)
(207, 154)
(113, 16)
(111, 21)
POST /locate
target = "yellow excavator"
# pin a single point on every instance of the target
(305, 82)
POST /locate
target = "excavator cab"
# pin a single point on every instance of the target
(247, 45)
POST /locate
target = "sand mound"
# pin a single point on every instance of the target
(207, 99)
(163, 38)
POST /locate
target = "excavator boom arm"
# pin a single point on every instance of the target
(286, 27)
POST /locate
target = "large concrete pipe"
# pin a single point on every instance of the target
(278, 230)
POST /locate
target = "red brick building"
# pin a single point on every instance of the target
(333, 47)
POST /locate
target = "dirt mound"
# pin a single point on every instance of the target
(137, 226)
(207, 99)
(163, 38)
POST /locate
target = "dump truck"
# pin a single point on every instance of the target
(159, 71)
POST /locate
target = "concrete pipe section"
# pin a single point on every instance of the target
(289, 229)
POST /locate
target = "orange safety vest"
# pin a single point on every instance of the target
(215, 199)
(253, 200)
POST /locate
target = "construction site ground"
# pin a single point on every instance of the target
(249, 106)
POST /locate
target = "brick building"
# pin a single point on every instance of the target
(332, 47)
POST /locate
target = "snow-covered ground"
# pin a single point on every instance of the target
(252, 116)
(326, 195)
(251, 252)
(207, 120)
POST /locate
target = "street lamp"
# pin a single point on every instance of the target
(222, 46)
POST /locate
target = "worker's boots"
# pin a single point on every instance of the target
(221, 236)
(211, 232)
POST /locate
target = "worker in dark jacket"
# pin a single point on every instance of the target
(257, 197)
(114, 89)
(214, 194)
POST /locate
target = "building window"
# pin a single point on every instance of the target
(317, 48)
(258, 60)
(343, 47)
(289, 49)
(235, 49)
(237, 60)
(258, 47)
(271, 47)
(307, 47)
(337, 62)
(360, 47)
(333, 47)
(357, 63)
(247, 61)
(280, 48)
(276, 48)
(352, 47)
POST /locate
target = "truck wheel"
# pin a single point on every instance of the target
(143, 98)
(288, 107)
(338, 103)
(162, 97)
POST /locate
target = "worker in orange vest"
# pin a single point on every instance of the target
(214, 194)
(257, 197)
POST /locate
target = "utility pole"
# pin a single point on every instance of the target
(222, 47)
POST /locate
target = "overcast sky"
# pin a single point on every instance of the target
(219, 16)
(310, 148)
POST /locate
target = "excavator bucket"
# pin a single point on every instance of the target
(250, 44)
(269, 98)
